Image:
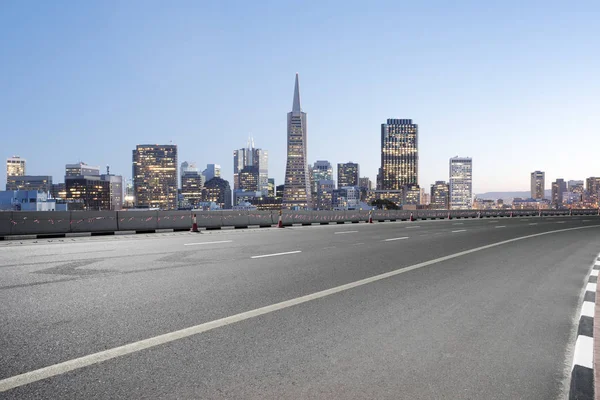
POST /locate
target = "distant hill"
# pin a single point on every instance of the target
(509, 195)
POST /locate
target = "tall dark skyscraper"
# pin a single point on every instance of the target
(399, 154)
(155, 176)
(348, 174)
(297, 191)
(251, 157)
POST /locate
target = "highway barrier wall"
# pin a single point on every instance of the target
(56, 223)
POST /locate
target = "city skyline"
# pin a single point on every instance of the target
(463, 99)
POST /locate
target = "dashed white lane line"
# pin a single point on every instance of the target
(458, 223)
(501, 226)
(584, 351)
(411, 227)
(344, 232)
(201, 243)
(560, 222)
(533, 223)
(357, 244)
(392, 239)
(134, 347)
(460, 230)
(587, 309)
(594, 272)
(278, 254)
(591, 287)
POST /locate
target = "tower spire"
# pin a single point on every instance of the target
(296, 109)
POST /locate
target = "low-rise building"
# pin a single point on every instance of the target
(28, 200)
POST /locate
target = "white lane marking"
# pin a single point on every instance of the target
(584, 351)
(597, 262)
(533, 223)
(341, 233)
(560, 222)
(590, 287)
(392, 239)
(501, 226)
(493, 222)
(458, 223)
(278, 254)
(201, 243)
(357, 244)
(95, 358)
(587, 309)
(460, 230)
(411, 227)
(594, 272)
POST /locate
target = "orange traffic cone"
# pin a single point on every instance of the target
(280, 222)
(194, 224)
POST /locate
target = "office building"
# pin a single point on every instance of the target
(15, 166)
(81, 169)
(272, 188)
(365, 183)
(155, 176)
(347, 174)
(211, 171)
(129, 198)
(115, 185)
(575, 186)
(192, 182)
(88, 193)
(461, 183)
(218, 191)
(399, 155)
(538, 185)
(249, 179)
(252, 157)
(592, 186)
(440, 195)
(412, 195)
(346, 198)
(558, 188)
(41, 183)
(28, 200)
(297, 193)
(425, 198)
(58, 191)
(321, 170)
(325, 188)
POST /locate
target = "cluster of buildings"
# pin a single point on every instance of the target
(160, 182)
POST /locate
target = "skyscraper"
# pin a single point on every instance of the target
(348, 174)
(558, 188)
(321, 170)
(155, 176)
(297, 191)
(538, 184)
(592, 186)
(192, 182)
(461, 183)
(399, 155)
(212, 171)
(439, 195)
(15, 166)
(217, 190)
(251, 157)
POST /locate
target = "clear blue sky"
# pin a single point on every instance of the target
(514, 85)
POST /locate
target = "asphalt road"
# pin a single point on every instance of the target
(494, 323)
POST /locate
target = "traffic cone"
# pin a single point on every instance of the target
(511, 214)
(194, 224)
(370, 216)
(449, 216)
(280, 223)
(411, 217)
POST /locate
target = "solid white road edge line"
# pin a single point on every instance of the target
(201, 243)
(278, 254)
(584, 352)
(392, 239)
(95, 358)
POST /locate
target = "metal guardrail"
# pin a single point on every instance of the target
(62, 222)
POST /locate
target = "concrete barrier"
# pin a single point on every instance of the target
(137, 220)
(354, 216)
(177, 220)
(94, 221)
(209, 219)
(262, 218)
(238, 219)
(6, 222)
(40, 222)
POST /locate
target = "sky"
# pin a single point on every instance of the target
(514, 85)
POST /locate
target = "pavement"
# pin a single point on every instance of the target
(447, 309)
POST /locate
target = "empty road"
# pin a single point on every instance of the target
(459, 309)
